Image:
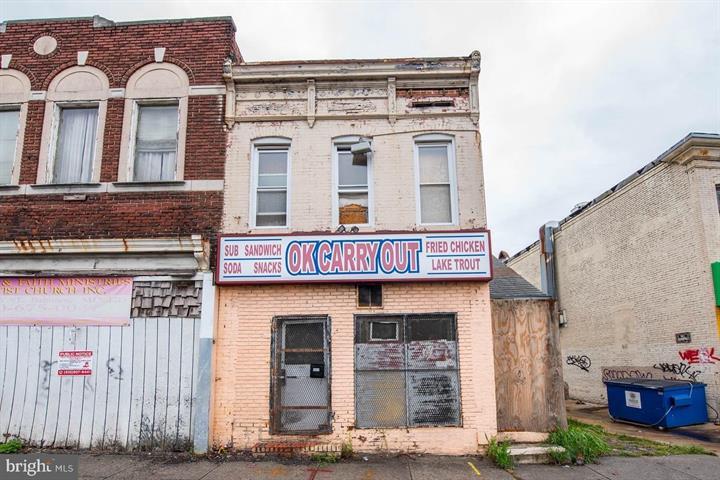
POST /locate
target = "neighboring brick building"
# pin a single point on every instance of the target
(325, 158)
(112, 155)
(633, 269)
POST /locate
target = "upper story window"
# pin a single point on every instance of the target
(75, 112)
(76, 142)
(352, 179)
(156, 143)
(14, 95)
(717, 192)
(271, 170)
(155, 124)
(9, 126)
(436, 185)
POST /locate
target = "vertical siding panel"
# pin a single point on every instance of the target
(8, 399)
(98, 427)
(86, 424)
(111, 368)
(45, 357)
(161, 382)
(57, 340)
(125, 390)
(65, 394)
(79, 335)
(17, 406)
(138, 376)
(173, 400)
(195, 352)
(147, 438)
(31, 385)
(186, 379)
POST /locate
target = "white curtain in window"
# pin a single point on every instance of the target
(156, 143)
(76, 145)
(8, 139)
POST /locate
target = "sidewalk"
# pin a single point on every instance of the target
(706, 435)
(405, 467)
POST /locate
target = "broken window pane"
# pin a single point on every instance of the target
(352, 188)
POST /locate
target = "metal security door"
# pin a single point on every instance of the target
(301, 397)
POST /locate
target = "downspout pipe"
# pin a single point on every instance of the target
(548, 276)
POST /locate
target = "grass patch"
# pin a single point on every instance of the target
(586, 442)
(499, 453)
(629, 446)
(11, 446)
(582, 443)
(346, 450)
(324, 458)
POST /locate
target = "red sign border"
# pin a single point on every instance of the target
(345, 234)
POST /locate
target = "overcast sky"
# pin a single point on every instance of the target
(574, 96)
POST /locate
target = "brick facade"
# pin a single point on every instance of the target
(199, 47)
(242, 370)
(633, 270)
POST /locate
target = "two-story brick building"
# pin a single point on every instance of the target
(354, 305)
(112, 154)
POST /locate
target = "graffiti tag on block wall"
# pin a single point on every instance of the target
(581, 361)
(699, 355)
(678, 371)
(623, 372)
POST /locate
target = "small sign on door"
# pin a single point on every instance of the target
(75, 362)
(632, 399)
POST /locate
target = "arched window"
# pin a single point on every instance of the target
(75, 109)
(14, 96)
(154, 124)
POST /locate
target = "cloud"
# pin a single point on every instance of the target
(573, 95)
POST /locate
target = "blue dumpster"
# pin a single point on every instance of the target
(657, 403)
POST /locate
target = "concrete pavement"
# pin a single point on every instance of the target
(135, 467)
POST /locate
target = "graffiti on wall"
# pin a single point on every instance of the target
(677, 371)
(580, 361)
(701, 355)
(623, 372)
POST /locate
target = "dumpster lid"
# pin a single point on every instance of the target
(652, 384)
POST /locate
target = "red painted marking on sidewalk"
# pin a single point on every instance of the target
(315, 471)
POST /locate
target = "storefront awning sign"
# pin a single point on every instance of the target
(376, 257)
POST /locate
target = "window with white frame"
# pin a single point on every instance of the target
(352, 180)
(436, 181)
(76, 136)
(9, 127)
(271, 185)
(156, 142)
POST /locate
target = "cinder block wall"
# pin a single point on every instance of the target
(242, 371)
(633, 271)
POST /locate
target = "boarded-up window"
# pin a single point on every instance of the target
(406, 371)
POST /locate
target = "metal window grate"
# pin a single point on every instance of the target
(412, 380)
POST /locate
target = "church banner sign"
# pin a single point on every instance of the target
(354, 257)
(78, 301)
